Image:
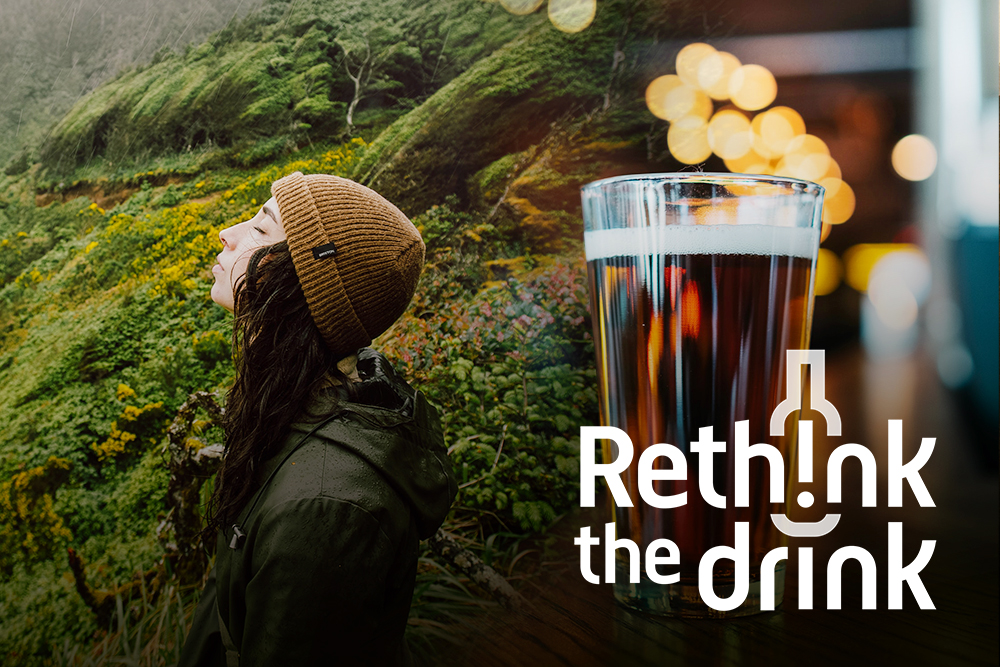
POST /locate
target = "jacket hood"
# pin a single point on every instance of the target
(395, 430)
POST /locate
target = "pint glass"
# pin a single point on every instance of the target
(699, 283)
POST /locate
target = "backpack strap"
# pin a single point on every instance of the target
(232, 655)
(238, 535)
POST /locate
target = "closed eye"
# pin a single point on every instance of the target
(261, 231)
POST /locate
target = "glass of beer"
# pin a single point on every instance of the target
(699, 283)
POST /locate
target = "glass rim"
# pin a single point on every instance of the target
(707, 178)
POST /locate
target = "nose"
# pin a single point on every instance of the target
(225, 236)
(234, 235)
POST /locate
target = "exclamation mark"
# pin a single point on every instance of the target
(805, 499)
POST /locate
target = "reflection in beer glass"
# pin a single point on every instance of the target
(699, 283)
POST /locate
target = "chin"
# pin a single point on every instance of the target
(220, 299)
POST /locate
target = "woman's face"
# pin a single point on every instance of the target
(238, 244)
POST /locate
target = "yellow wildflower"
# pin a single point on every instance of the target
(130, 413)
(124, 391)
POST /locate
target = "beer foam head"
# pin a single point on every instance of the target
(701, 240)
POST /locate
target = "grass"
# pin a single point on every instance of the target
(143, 633)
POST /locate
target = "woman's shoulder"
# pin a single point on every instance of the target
(321, 480)
(382, 451)
(326, 464)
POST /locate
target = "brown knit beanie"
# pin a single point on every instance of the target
(357, 256)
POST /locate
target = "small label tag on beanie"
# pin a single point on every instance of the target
(324, 251)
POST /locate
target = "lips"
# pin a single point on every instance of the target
(217, 268)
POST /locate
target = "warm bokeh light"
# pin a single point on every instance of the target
(833, 170)
(729, 134)
(829, 271)
(657, 91)
(687, 140)
(772, 142)
(914, 157)
(520, 7)
(689, 60)
(669, 98)
(838, 202)
(714, 72)
(750, 163)
(752, 87)
(807, 144)
(860, 260)
(757, 139)
(808, 167)
(807, 157)
(779, 126)
(685, 100)
(572, 15)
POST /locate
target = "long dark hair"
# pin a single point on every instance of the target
(281, 360)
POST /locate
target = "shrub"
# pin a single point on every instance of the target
(511, 369)
(31, 529)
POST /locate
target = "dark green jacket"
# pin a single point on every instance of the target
(325, 572)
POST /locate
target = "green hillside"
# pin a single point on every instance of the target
(478, 124)
(53, 52)
(280, 78)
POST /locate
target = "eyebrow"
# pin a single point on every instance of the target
(270, 211)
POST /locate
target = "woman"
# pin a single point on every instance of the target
(334, 468)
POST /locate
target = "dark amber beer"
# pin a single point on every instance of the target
(695, 299)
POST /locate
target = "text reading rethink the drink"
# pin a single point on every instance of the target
(666, 462)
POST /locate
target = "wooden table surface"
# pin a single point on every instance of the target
(571, 622)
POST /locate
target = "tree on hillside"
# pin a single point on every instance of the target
(368, 47)
(292, 71)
